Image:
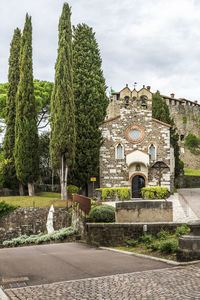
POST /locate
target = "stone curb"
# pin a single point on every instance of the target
(3, 295)
(170, 262)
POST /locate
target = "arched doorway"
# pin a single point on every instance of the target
(138, 182)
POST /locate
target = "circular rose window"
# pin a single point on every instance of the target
(135, 133)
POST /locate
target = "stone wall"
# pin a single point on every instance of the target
(187, 181)
(144, 211)
(116, 234)
(31, 221)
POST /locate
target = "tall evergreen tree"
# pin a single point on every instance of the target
(90, 102)
(9, 173)
(26, 134)
(160, 111)
(63, 135)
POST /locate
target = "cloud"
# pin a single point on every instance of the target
(153, 42)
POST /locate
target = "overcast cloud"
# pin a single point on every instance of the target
(154, 42)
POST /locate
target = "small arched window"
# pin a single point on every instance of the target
(120, 152)
(152, 152)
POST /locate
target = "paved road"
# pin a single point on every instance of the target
(180, 283)
(61, 262)
(191, 198)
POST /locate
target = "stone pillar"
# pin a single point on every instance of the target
(189, 245)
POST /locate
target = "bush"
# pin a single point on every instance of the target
(155, 192)
(131, 243)
(182, 230)
(40, 238)
(154, 246)
(6, 208)
(163, 235)
(102, 213)
(123, 193)
(147, 239)
(168, 246)
(72, 189)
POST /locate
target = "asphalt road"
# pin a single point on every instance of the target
(191, 198)
(68, 261)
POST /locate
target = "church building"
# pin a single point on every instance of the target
(136, 148)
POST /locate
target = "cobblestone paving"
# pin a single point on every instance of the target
(173, 283)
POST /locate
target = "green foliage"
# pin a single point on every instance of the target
(192, 142)
(123, 193)
(184, 120)
(90, 102)
(3, 97)
(168, 246)
(72, 189)
(131, 243)
(6, 208)
(147, 239)
(102, 213)
(44, 158)
(155, 192)
(160, 111)
(199, 122)
(192, 172)
(163, 234)
(57, 235)
(62, 121)
(26, 135)
(8, 170)
(182, 230)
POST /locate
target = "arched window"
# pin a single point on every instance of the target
(152, 152)
(120, 152)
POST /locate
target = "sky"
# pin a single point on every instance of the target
(154, 42)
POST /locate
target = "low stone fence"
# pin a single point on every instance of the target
(144, 211)
(187, 181)
(111, 234)
(31, 221)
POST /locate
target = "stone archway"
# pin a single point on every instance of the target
(138, 181)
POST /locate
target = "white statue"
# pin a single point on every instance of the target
(49, 224)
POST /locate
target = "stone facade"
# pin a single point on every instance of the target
(135, 131)
(186, 115)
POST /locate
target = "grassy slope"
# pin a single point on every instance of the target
(44, 199)
(193, 172)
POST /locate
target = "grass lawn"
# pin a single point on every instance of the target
(141, 249)
(193, 172)
(43, 199)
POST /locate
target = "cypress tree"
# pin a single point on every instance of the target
(63, 135)
(160, 111)
(26, 134)
(9, 173)
(90, 102)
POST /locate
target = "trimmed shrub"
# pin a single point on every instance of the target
(182, 230)
(6, 208)
(131, 243)
(155, 192)
(123, 193)
(147, 239)
(163, 234)
(168, 246)
(72, 189)
(102, 213)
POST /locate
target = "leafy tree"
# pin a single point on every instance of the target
(44, 158)
(160, 111)
(192, 142)
(42, 91)
(63, 135)
(90, 102)
(26, 135)
(9, 173)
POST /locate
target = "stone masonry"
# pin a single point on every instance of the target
(136, 160)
